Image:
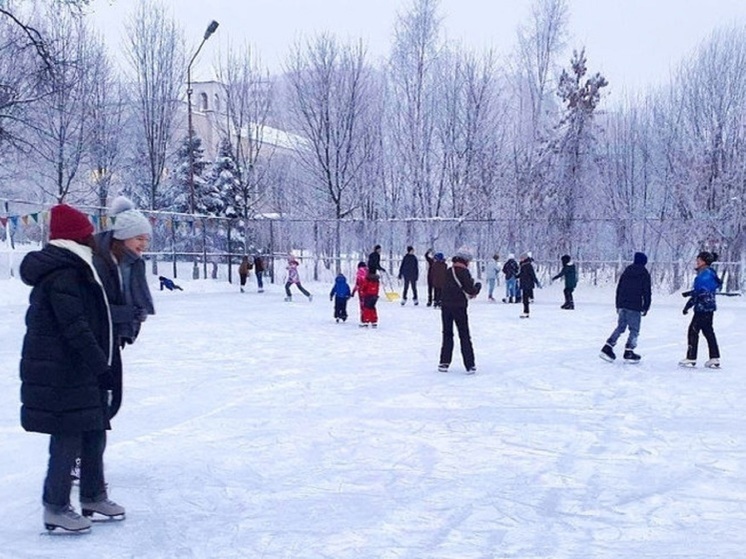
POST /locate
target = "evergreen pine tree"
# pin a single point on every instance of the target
(222, 183)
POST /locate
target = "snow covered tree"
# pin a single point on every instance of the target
(176, 197)
(224, 185)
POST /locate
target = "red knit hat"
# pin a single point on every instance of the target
(68, 223)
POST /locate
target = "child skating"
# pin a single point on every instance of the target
(340, 293)
(293, 278)
(702, 298)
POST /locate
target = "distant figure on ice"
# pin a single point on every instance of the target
(527, 281)
(243, 271)
(362, 273)
(570, 273)
(702, 298)
(491, 269)
(293, 278)
(632, 303)
(409, 271)
(440, 271)
(374, 260)
(168, 284)
(510, 271)
(340, 293)
(459, 287)
(368, 294)
(259, 272)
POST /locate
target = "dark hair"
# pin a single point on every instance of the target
(410, 248)
(361, 264)
(708, 257)
(377, 247)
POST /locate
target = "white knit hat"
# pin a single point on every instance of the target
(126, 221)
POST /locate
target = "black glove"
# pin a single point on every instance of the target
(685, 310)
(478, 286)
(106, 380)
(687, 294)
(644, 313)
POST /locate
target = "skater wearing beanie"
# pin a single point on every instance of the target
(632, 303)
(570, 273)
(702, 298)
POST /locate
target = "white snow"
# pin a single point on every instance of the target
(257, 428)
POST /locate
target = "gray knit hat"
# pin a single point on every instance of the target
(126, 221)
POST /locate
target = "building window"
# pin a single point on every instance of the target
(203, 101)
(216, 103)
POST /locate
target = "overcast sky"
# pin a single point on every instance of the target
(634, 43)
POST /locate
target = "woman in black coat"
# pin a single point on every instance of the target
(458, 288)
(527, 281)
(64, 367)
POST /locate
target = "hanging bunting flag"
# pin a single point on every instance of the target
(94, 218)
(3, 221)
(13, 220)
(35, 217)
(113, 220)
(103, 221)
(24, 218)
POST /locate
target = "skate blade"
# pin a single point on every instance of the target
(55, 530)
(605, 357)
(632, 361)
(101, 518)
(712, 366)
(687, 365)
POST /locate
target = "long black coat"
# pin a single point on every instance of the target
(527, 275)
(66, 347)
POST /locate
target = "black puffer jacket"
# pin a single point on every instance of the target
(633, 290)
(66, 347)
(455, 295)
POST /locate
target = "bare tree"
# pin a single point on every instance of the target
(412, 78)
(330, 104)
(249, 94)
(156, 53)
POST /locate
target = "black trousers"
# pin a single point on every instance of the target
(407, 283)
(702, 322)
(63, 450)
(526, 296)
(568, 296)
(458, 316)
(340, 308)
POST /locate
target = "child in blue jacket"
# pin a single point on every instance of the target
(339, 294)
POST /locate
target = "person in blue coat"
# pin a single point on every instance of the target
(702, 299)
(340, 293)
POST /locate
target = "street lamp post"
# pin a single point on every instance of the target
(209, 31)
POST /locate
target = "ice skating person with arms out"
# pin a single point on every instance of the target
(409, 271)
(293, 278)
(702, 299)
(65, 367)
(340, 293)
(633, 298)
(243, 271)
(458, 288)
(527, 281)
(570, 273)
(492, 269)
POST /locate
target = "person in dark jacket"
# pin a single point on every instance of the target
(65, 368)
(632, 302)
(458, 288)
(438, 270)
(259, 272)
(510, 270)
(527, 281)
(168, 283)
(409, 271)
(570, 273)
(374, 261)
(340, 293)
(118, 259)
(243, 271)
(702, 298)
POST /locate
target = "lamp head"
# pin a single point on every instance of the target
(211, 29)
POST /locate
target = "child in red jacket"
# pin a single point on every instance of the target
(369, 297)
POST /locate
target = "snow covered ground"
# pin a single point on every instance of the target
(257, 428)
